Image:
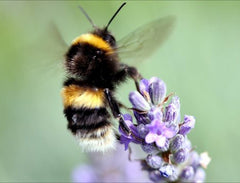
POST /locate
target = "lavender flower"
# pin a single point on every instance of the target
(180, 156)
(187, 174)
(138, 101)
(135, 137)
(154, 162)
(177, 143)
(111, 167)
(188, 124)
(161, 134)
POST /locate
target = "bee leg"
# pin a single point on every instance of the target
(128, 71)
(134, 74)
(115, 111)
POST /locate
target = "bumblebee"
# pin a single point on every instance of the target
(93, 71)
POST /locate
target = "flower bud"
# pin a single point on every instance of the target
(154, 162)
(200, 175)
(187, 145)
(157, 90)
(138, 101)
(177, 143)
(155, 113)
(188, 124)
(141, 118)
(165, 147)
(180, 156)
(127, 117)
(187, 174)
(194, 159)
(149, 148)
(142, 130)
(167, 170)
(170, 113)
(155, 176)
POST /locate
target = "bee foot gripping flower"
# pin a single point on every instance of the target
(162, 135)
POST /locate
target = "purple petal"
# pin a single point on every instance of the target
(160, 141)
(150, 137)
(169, 133)
(124, 140)
(138, 101)
(154, 126)
(129, 124)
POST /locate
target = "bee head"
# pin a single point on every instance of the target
(92, 53)
(106, 36)
(104, 33)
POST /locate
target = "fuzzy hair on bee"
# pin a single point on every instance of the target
(93, 71)
(93, 66)
(88, 118)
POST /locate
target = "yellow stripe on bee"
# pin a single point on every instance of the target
(93, 40)
(76, 96)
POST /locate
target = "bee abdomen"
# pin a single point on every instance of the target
(82, 97)
(91, 127)
(86, 119)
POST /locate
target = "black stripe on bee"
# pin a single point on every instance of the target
(86, 120)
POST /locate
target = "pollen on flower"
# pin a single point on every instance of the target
(158, 129)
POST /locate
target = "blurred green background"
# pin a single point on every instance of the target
(200, 62)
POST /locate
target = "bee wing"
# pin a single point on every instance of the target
(56, 46)
(57, 38)
(141, 43)
(49, 53)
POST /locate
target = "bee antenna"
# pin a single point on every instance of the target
(86, 15)
(115, 15)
